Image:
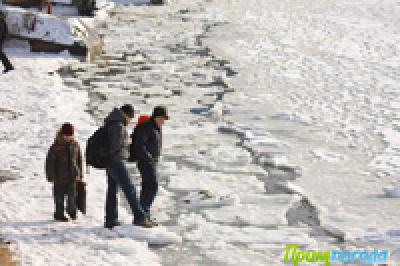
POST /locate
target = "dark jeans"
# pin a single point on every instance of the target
(118, 176)
(148, 171)
(4, 59)
(60, 189)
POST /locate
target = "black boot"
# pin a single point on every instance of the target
(73, 216)
(112, 225)
(8, 70)
(60, 218)
(147, 223)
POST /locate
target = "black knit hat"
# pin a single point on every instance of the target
(160, 111)
(128, 110)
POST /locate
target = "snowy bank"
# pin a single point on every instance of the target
(34, 104)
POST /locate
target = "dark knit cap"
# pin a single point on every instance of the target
(128, 110)
(67, 129)
(160, 111)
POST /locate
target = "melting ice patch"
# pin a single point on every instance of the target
(154, 236)
(254, 209)
(204, 200)
(392, 191)
(388, 162)
(185, 180)
(221, 158)
(328, 156)
(209, 233)
(286, 116)
(376, 236)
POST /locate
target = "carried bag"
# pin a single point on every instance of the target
(81, 196)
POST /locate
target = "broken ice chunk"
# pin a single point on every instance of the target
(392, 191)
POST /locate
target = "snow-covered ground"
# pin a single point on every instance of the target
(34, 103)
(279, 115)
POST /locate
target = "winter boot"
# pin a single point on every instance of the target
(147, 223)
(60, 218)
(112, 225)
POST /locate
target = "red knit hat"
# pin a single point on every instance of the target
(67, 129)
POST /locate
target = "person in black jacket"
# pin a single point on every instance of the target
(3, 34)
(117, 173)
(147, 144)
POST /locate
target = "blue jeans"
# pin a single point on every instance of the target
(148, 171)
(118, 176)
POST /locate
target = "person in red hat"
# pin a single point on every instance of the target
(64, 169)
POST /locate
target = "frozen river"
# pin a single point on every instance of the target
(321, 79)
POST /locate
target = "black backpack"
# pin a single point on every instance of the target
(97, 154)
(85, 7)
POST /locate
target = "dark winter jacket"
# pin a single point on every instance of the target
(117, 136)
(147, 142)
(3, 30)
(64, 161)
